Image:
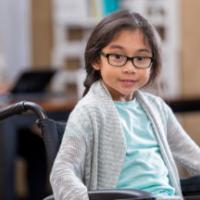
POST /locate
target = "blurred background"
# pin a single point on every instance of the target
(52, 34)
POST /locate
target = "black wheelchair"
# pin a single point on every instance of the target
(52, 132)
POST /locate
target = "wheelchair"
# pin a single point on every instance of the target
(52, 132)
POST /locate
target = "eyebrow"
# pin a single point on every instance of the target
(115, 46)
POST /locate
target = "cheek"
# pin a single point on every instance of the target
(106, 73)
(148, 73)
(106, 70)
(146, 76)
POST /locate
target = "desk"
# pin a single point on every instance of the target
(185, 105)
(57, 109)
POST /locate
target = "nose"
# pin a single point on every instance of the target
(129, 67)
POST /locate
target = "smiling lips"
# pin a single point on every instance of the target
(128, 82)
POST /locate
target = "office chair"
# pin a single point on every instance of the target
(52, 132)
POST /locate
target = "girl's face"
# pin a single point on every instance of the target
(123, 81)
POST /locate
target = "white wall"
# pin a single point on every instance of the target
(15, 43)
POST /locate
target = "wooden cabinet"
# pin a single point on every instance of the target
(190, 54)
(41, 33)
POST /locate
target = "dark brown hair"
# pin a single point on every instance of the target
(105, 31)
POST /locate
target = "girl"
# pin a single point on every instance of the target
(118, 136)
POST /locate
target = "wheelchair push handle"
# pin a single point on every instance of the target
(22, 107)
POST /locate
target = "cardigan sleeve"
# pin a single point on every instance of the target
(184, 149)
(67, 172)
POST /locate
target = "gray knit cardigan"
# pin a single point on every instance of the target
(92, 152)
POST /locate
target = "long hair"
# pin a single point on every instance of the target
(104, 33)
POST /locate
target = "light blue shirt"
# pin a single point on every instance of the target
(144, 168)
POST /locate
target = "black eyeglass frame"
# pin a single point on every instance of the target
(106, 55)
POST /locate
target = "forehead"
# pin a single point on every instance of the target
(129, 38)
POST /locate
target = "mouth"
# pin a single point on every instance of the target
(128, 82)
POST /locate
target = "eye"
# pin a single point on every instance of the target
(117, 57)
(141, 58)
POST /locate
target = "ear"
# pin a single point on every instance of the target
(96, 66)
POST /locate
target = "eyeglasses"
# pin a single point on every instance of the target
(116, 60)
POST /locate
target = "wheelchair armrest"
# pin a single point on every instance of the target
(50, 197)
(191, 186)
(111, 194)
(108, 194)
